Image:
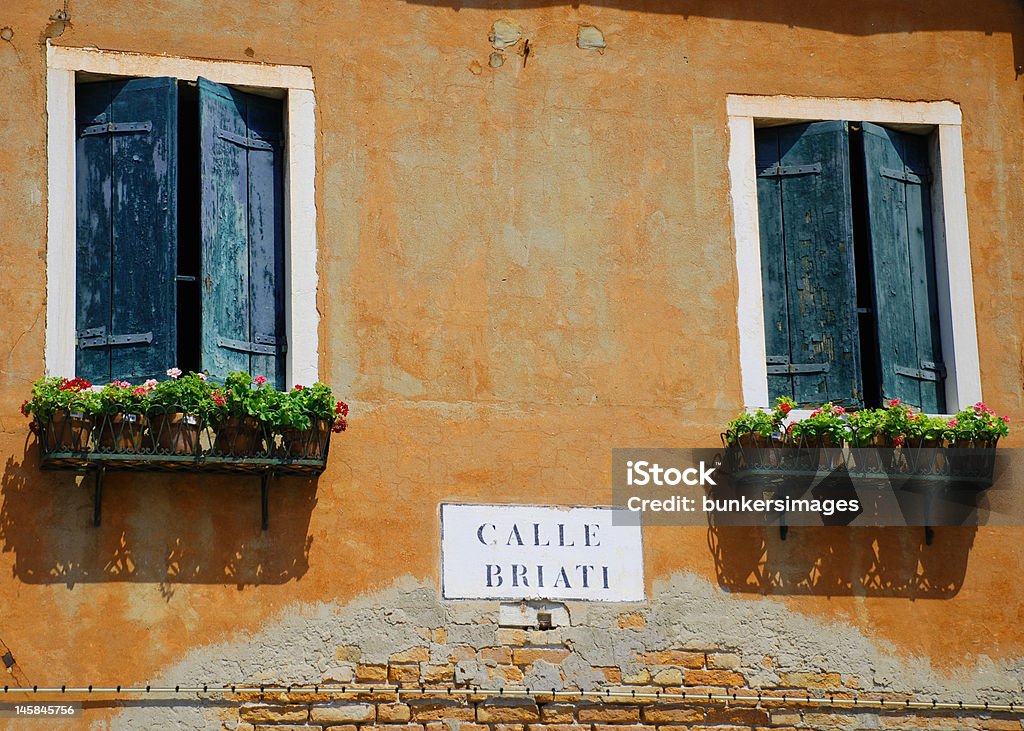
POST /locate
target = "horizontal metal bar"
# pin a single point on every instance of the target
(919, 374)
(798, 369)
(777, 359)
(100, 341)
(645, 692)
(185, 278)
(244, 346)
(906, 176)
(778, 171)
(252, 143)
(112, 127)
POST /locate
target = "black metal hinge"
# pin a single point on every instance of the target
(112, 127)
(779, 365)
(252, 143)
(907, 176)
(97, 337)
(778, 171)
(927, 372)
(260, 345)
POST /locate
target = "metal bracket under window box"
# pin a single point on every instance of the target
(161, 443)
(97, 338)
(260, 345)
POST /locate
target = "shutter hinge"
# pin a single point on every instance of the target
(260, 345)
(97, 337)
(252, 143)
(907, 176)
(111, 127)
(777, 171)
(779, 365)
(927, 372)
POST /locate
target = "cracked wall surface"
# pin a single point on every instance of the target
(522, 265)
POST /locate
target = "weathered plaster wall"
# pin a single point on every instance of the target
(521, 267)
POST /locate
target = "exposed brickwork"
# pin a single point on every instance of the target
(436, 711)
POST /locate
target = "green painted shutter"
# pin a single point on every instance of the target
(807, 272)
(898, 183)
(126, 189)
(242, 174)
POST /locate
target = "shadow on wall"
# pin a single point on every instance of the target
(862, 19)
(158, 528)
(840, 561)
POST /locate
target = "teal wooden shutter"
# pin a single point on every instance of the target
(126, 190)
(807, 273)
(242, 216)
(898, 184)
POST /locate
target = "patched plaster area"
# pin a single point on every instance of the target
(325, 643)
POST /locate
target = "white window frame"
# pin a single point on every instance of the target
(62, 65)
(957, 322)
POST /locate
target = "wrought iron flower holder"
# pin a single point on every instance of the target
(170, 440)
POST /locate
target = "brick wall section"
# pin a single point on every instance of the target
(671, 686)
(481, 712)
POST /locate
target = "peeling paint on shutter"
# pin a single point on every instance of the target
(242, 232)
(126, 158)
(807, 272)
(903, 267)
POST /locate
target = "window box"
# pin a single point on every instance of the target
(174, 442)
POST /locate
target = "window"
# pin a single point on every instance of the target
(848, 265)
(180, 242)
(181, 219)
(852, 251)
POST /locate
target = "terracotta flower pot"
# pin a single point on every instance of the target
(309, 443)
(239, 436)
(176, 433)
(68, 431)
(122, 432)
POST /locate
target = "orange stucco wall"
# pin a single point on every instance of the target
(520, 268)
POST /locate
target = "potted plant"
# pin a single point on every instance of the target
(239, 408)
(755, 429)
(826, 426)
(179, 408)
(63, 409)
(305, 417)
(121, 408)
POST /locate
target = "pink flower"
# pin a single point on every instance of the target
(1006, 419)
(218, 398)
(838, 410)
(202, 376)
(298, 386)
(150, 384)
(895, 402)
(174, 372)
(259, 380)
(122, 384)
(952, 422)
(140, 391)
